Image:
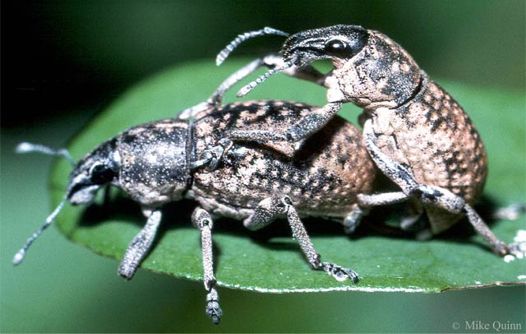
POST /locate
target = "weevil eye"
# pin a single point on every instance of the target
(101, 174)
(338, 48)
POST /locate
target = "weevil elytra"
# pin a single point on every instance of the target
(167, 160)
(415, 132)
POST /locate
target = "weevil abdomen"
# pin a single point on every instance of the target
(321, 179)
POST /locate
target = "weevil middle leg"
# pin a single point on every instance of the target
(273, 207)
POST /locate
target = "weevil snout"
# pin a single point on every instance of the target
(96, 169)
(340, 41)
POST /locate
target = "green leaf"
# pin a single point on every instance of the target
(384, 262)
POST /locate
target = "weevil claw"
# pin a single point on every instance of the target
(340, 273)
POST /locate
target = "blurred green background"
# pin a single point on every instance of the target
(63, 61)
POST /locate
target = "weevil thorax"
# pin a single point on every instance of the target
(154, 161)
(383, 74)
(96, 169)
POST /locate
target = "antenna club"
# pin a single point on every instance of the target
(24, 147)
(19, 257)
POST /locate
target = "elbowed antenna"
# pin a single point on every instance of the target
(247, 88)
(19, 256)
(26, 147)
(221, 56)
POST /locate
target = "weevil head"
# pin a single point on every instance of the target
(155, 160)
(96, 169)
(339, 42)
(369, 68)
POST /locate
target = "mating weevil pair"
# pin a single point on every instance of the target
(210, 158)
(415, 132)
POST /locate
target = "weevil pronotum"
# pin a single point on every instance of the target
(167, 160)
(415, 132)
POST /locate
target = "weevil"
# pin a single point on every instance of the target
(167, 160)
(415, 132)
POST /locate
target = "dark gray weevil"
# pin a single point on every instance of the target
(415, 132)
(171, 159)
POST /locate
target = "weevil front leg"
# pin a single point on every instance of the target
(429, 195)
(217, 96)
(271, 61)
(202, 220)
(140, 245)
(274, 207)
(301, 130)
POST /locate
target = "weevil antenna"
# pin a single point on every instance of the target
(19, 256)
(221, 56)
(246, 89)
(25, 147)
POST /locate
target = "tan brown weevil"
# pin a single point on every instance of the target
(167, 160)
(415, 132)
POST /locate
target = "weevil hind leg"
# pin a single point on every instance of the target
(278, 206)
(203, 221)
(434, 196)
(140, 245)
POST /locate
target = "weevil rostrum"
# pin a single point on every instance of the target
(171, 159)
(415, 132)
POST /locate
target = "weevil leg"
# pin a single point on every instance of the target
(212, 156)
(236, 77)
(399, 174)
(140, 245)
(367, 201)
(273, 207)
(498, 246)
(270, 61)
(429, 195)
(354, 218)
(301, 130)
(217, 96)
(203, 221)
